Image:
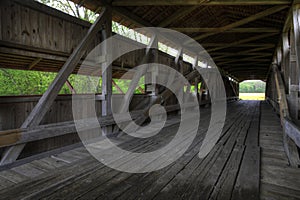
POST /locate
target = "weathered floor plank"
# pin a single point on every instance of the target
(248, 162)
(278, 180)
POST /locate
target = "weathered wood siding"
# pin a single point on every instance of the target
(32, 31)
(14, 110)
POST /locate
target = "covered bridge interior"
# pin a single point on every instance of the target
(48, 147)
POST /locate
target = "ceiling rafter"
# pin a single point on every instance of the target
(196, 2)
(261, 58)
(177, 15)
(236, 24)
(142, 22)
(234, 30)
(257, 45)
(244, 64)
(251, 39)
(228, 55)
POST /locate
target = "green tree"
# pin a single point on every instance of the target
(252, 87)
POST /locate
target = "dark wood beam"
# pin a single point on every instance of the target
(285, 29)
(70, 86)
(292, 131)
(242, 45)
(227, 55)
(259, 49)
(254, 70)
(197, 2)
(34, 63)
(234, 30)
(246, 64)
(177, 15)
(246, 58)
(106, 84)
(237, 14)
(243, 60)
(117, 87)
(124, 13)
(243, 21)
(251, 39)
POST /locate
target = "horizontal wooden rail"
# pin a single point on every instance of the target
(21, 136)
(292, 131)
(288, 142)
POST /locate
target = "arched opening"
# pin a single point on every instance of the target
(252, 90)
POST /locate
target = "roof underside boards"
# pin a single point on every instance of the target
(241, 36)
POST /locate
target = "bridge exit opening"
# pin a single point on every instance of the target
(252, 90)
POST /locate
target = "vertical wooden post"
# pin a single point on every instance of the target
(295, 47)
(151, 76)
(37, 114)
(285, 58)
(289, 145)
(203, 85)
(107, 72)
(136, 78)
(293, 80)
(197, 80)
(234, 92)
(179, 68)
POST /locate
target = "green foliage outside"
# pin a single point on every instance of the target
(252, 87)
(19, 82)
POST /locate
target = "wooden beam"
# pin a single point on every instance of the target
(249, 60)
(286, 27)
(151, 76)
(292, 131)
(172, 76)
(226, 55)
(255, 67)
(245, 70)
(235, 15)
(258, 49)
(52, 12)
(107, 71)
(71, 88)
(255, 59)
(117, 87)
(124, 13)
(234, 30)
(178, 15)
(34, 63)
(251, 39)
(296, 29)
(258, 45)
(289, 146)
(141, 90)
(166, 94)
(24, 135)
(138, 74)
(197, 2)
(293, 75)
(42, 107)
(243, 21)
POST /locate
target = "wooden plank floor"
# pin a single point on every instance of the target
(278, 179)
(248, 162)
